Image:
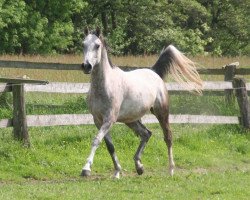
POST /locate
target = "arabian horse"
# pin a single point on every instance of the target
(118, 96)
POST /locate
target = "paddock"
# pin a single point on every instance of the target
(219, 172)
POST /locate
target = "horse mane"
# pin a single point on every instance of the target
(105, 45)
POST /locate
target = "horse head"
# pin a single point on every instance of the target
(92, 47)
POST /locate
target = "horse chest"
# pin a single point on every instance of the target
(100, 101)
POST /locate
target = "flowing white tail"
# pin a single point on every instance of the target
(180, 67)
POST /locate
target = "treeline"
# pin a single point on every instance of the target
(220, 27)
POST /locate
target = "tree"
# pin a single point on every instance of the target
(229, 24)
(33, 26)
(13, 19)
(130, 26)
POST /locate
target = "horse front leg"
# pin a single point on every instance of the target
(111, 149)
(95, 144)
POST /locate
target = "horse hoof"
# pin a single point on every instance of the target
(140, 170)
(171, 172)
(85, 172)
(116, 175)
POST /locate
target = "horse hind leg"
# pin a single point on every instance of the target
(144, 134)
(111, 150)
(169, 141)
(162, 115)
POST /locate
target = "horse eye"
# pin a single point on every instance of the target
(97, 46)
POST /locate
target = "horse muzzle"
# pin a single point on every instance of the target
(87, 68)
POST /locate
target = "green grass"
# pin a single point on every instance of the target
(212, 162)
(158, 186)
(47, 103)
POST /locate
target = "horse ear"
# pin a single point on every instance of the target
(86, 31)
(98, 31)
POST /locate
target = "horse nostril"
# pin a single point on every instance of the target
(87, 67)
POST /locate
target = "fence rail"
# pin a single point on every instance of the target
(62, 66)
(64, 87)
(84, 119)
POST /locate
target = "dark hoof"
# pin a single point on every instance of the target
(85, 173)
(140, 170)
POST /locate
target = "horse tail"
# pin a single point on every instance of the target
(183, 70)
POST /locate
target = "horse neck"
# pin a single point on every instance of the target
(102, 72)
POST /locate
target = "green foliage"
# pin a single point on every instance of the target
(13, 15)
(229, 26)
(131, 26)
(117, 41)
(202, 105)
(34, 27)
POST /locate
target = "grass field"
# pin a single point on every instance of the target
(212, 161)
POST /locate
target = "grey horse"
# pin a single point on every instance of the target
(118, 96)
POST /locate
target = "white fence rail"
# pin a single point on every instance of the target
(59, 87)
(84, 119)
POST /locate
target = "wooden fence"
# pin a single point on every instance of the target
(82, 88)
(20, 121)
(60, 66)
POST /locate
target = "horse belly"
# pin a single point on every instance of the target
(132, 110)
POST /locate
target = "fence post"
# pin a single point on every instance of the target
(242, 98)
(19, 114)
(229, 76)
